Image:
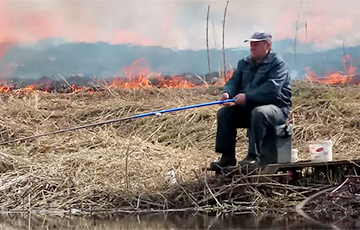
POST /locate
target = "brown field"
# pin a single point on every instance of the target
(126, 164)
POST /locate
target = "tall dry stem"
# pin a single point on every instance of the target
(223, 41)
(207, 40)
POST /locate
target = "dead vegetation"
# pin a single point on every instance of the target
(152, 162)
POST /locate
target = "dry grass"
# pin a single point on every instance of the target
(126, 165)
(325, 112)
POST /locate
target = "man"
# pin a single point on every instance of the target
(261, 88)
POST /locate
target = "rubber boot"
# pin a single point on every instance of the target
(225, 160)
(250, 159)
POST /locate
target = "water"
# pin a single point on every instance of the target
(160, 221)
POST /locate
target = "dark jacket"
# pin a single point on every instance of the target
(263, 84)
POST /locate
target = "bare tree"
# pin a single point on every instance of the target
(223, 39)
(207, 40)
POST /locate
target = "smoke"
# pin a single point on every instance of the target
(80, 21)
(328, 23)
(179, 24)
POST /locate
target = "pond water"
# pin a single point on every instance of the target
(162, 221)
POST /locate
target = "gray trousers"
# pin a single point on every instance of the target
(258, 119)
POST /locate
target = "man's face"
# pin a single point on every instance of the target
(259, 49)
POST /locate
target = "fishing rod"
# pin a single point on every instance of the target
(157, 113)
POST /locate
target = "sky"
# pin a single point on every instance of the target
(180, 24)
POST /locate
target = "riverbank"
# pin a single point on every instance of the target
(153, 162)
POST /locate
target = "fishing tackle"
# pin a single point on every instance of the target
(157, 113)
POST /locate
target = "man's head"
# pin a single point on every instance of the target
(260, 44)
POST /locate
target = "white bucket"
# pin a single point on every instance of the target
(294, 155)
(321, 151)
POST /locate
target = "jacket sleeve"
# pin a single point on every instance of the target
(233, 85)
(267, 92)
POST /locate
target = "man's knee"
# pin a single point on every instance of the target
(224, 113)
(269, 113)
(258, 114)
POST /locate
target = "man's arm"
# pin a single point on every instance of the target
(267, 92)
(232, 86)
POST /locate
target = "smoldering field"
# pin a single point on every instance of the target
(127, 164)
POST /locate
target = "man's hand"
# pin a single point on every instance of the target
(240, 99)
(226, 96)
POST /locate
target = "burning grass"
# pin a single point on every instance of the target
(152, 162)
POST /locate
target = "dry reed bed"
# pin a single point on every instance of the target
(126, 165)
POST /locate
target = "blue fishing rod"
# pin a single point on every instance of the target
(157, 113)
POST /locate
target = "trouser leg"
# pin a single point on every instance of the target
(228, 120)
(261, 118)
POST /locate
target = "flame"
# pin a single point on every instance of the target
(225, 78)
(137, 75)
(29, 88)
(175, 82)
(5, 89)
(76, 89)
(342, 77)
(131, 82)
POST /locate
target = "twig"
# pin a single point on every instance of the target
(339, 187)
(302, 204)
(215, 38)
(207, 40)
(223, 40)
(212, 194)
(205, 83)
(309, 79)
(191, 197)
(65, 80)
(126, 166)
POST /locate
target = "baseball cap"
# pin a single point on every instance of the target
(260, 36)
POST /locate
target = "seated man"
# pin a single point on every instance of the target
(261, 88)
